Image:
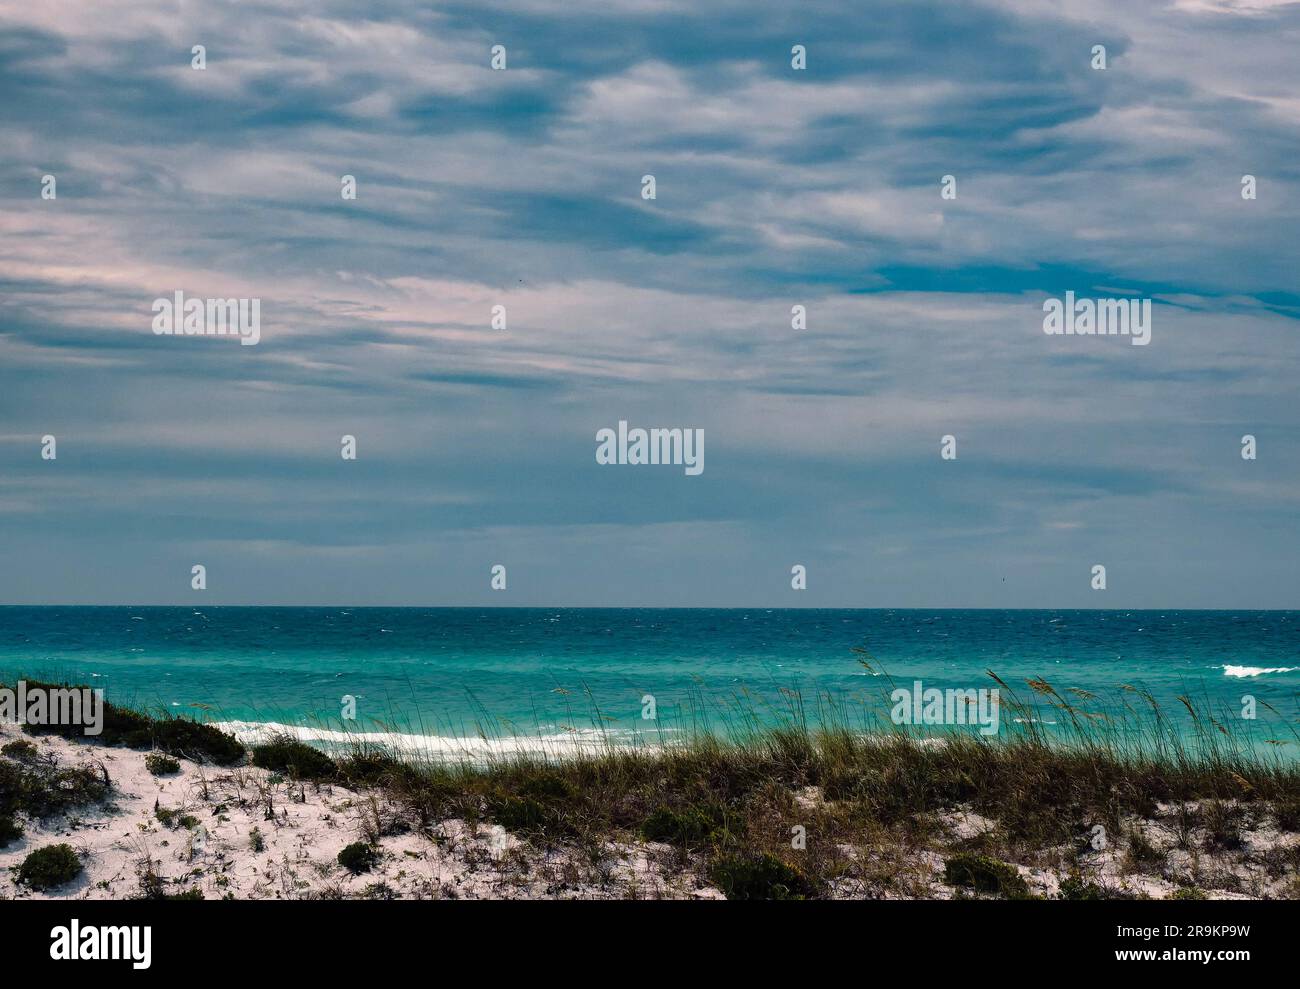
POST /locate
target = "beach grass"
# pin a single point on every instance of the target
(808, 799)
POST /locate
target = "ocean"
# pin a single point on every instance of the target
(517, 678)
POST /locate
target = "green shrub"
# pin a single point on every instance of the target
(194, 740)
(255, 840)
(520, 814)
(10, 830)
(11, 782)
(42, 789)
(368, 769)
(762, 877)
(689, 828)
(358, 857)
(547, 786)
(1075, 887)
(1189, 893)
(985, 875)
(295, 759)
(175, 736)
(161, 764)
(48, 867)
(173, 818)
(20, 749)
(71, 787)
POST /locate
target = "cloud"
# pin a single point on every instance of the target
(521, 188)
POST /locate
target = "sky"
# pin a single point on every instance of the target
(775, 187)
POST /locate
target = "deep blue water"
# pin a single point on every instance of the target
(444, 671)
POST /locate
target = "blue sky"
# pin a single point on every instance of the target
(775, 188)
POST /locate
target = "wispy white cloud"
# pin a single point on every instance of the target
(521, 188)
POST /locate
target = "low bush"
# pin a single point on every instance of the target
(984, 875)
(358, 857)
(10, 831)
(295, 759)
(760, 877)
(161, 764)
(49, 867)
(136, 730)
(20, 749)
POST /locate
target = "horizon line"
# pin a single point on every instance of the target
(639, 607)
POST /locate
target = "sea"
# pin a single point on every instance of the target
(500, 680)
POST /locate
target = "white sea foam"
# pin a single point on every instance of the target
(1254, 671)
(448, 748)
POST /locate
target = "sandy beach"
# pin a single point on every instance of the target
(250, 833)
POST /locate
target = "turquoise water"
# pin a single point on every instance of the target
(453, 672)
